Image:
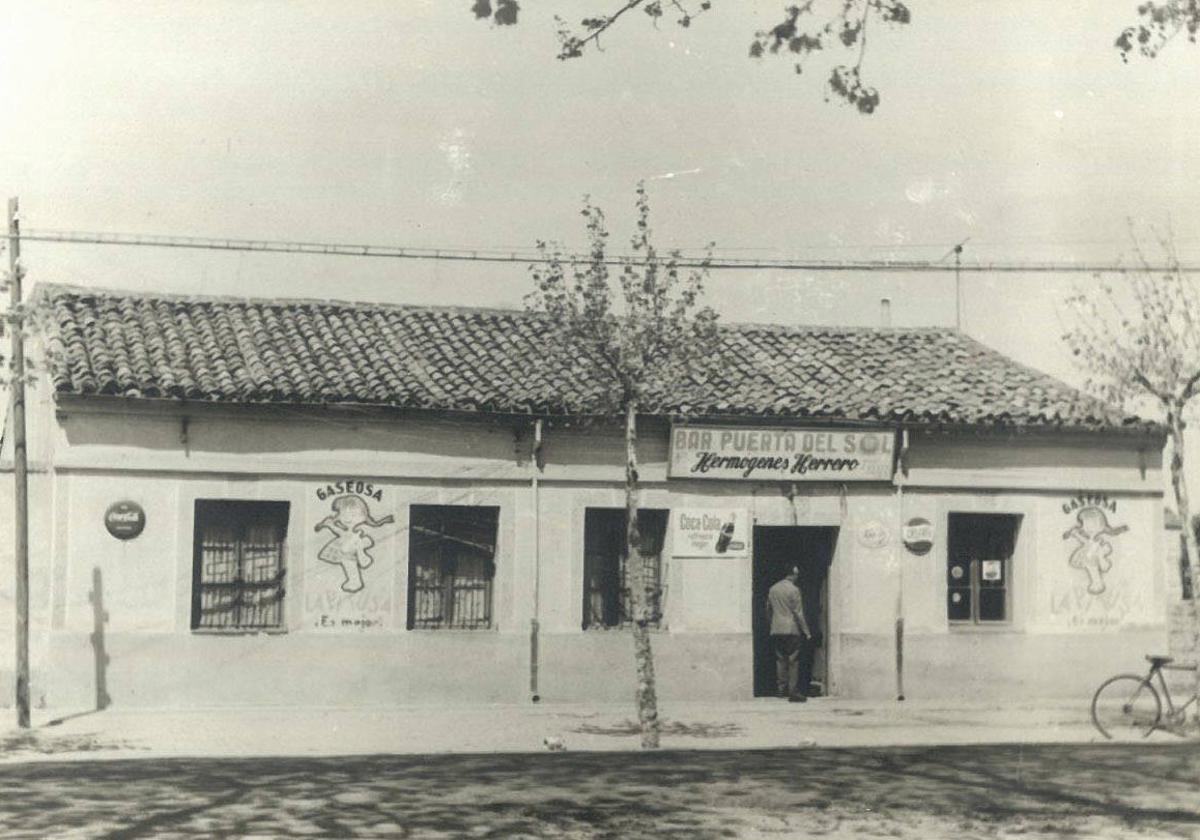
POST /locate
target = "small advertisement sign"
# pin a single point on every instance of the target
(918, 535)
(992, 569)
(125, 520)
(350, 562)
(793, 455)
(873, 534)
(710, 532)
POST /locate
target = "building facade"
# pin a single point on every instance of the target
(265, 502)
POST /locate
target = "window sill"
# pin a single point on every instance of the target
(452, 631)
(239, 631)
(982, 627)
(622, 628)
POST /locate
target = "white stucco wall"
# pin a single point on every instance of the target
(1061, 639)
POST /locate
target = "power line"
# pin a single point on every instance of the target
(270, 246)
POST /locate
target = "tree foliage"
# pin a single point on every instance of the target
(846, 28)
(1159, 24)
(641, 335)
(814, 26)
(31, 320)
(504, 13)
(1138, 343)
(641, 339)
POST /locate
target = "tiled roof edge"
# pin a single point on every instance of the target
(1041, 374)
(1144, 428)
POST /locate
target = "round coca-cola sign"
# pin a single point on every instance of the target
(125, 520)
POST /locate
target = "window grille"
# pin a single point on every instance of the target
(238, 564)
(451, 565)
(607, 600)
(980, 549)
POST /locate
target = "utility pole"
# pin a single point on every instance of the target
(20, 463)
(958, 306)
(958, 286)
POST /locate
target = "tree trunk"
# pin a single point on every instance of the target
(1179, 485)
(646, 695)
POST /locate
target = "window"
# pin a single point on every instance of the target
(451, 563)
(238, 565)
(606, 597)
(979, 566)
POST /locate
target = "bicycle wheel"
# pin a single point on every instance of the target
(1126, 705)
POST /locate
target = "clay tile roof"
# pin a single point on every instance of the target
(224, 350)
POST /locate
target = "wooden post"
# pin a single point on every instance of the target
(898, 547)
(20, 465)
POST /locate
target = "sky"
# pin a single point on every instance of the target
(1014, 126)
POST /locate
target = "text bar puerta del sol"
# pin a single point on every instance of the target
(757, 454)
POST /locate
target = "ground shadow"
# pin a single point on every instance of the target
(627, 728)
(100, 656)
(968, 791)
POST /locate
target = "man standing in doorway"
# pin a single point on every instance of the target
(790, 637)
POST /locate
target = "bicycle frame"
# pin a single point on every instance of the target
(1118, 705)
(1173, 714)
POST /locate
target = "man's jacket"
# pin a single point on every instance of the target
(784, 604)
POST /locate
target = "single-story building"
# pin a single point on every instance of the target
(240, 501)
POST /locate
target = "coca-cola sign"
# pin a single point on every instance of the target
(125, 520)
(710, 532)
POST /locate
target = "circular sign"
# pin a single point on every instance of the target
(918, 535)
(125, 520)
(873, 535)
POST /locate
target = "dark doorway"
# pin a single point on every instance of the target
(777, 549)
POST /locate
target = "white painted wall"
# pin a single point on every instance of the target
(100, 453)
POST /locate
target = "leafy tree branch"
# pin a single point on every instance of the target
(1158, 25)
(801, 34)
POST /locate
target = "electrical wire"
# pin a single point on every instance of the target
(497, 256)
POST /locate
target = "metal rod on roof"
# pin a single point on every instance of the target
(958, 286)
(403, 252)
(20, 465)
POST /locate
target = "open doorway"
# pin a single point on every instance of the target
(776, 550)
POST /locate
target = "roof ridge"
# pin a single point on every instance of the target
(52, 288)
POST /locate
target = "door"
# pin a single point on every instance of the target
(776, 550)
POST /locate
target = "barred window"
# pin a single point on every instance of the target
(606, 595)
(451, 564)
(979, 566)
(238, 564)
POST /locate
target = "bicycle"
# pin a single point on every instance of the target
(1129, 702)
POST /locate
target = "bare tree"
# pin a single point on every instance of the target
(641, 341)
(1139, 345)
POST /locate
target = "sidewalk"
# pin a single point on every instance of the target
(757, 724)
